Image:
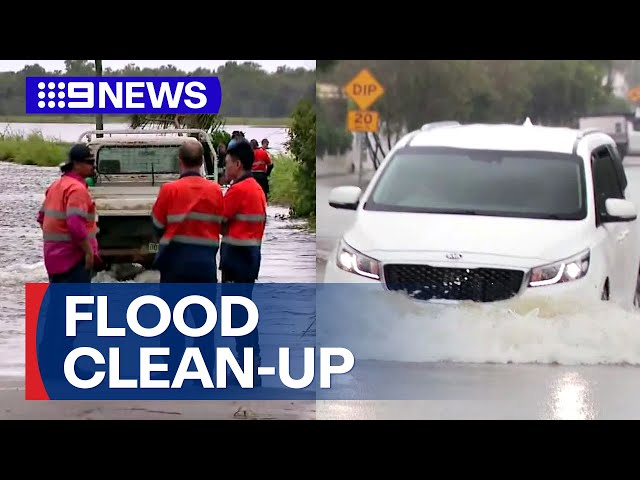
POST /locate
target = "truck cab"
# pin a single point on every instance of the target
(131, 166)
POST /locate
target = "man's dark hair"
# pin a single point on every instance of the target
(242, 151)
(191, 154)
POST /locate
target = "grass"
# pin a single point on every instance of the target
(33, 149)
(283, 187)
(249, 121)
(282, 183)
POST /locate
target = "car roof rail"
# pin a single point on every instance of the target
(583, 133)
(410, 136)
(430, 126)
(588, 131)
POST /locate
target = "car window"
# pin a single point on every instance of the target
(605, 178)
(442, 180)
(619, 167)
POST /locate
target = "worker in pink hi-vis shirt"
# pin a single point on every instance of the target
(68, 221)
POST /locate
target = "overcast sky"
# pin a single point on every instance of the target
(186, 65)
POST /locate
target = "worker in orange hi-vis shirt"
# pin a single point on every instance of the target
(262, 166)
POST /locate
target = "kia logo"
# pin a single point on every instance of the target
(453, 256)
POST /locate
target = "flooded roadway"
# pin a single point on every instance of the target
(564, 361)
(289, 254)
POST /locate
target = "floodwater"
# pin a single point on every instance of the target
(288, 254)
(549, 361)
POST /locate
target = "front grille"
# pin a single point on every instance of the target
(424, 282)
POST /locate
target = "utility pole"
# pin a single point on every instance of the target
(99, 123)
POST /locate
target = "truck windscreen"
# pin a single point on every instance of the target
(138, 159)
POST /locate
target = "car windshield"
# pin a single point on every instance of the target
(497, 183)
(114, 159)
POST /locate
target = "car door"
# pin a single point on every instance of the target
(631, 245)
(608, 184)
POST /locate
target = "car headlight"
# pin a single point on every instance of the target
(352, 261)
(562, 271)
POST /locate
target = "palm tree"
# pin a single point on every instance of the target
(208, 122)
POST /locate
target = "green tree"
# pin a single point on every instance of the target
(562, 90)
(551, 92)
(248, 91)
(325, 65)
(302, 145)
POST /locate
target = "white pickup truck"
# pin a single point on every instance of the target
(131, 165)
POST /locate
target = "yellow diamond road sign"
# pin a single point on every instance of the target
(364, 89)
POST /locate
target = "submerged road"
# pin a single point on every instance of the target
(550, 366)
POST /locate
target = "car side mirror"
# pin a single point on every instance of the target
(346, 198)
(619, 210)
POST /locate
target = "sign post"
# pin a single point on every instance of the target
(364, 90)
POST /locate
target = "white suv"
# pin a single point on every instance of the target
(486, 213)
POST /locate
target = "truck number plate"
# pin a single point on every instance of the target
(153, 247)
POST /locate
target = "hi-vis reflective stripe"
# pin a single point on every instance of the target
(241, 242)
(190, 240)
(156, 222)
(70, 211)
(205, 217)
(63, 237)
(243, 217)
(54, 214)
(76, 211)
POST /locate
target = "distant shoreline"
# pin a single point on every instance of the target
(248, 121)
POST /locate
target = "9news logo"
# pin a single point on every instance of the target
(51, 94)
(122, 95)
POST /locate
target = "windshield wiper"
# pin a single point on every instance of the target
(555, 216)
(462, 212)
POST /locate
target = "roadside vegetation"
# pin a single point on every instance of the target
(302, 145)
(33, 149)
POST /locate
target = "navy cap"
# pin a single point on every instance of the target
(78, 153)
